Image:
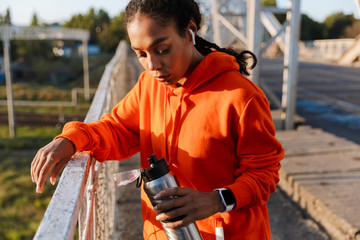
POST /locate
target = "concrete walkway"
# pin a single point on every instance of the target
(128, 220)
(321, 173)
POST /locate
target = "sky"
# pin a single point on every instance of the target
(50, 11)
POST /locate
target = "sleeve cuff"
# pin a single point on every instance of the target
(74, 132)
(243, 194)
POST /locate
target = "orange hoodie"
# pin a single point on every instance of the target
(215, 131)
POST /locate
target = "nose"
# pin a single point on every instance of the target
(153, 63)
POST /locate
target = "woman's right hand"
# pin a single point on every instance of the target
(54, 156)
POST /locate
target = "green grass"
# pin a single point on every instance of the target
(21, 209)
(81, 109)
(27, 137)
(34, 91)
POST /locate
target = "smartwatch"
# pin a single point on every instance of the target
(227, 198)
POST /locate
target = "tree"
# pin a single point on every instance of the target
(337, 23)
(34, 21)
(268, 3)
(102, 22)
(86, 21)
(104, 32)
(352, 31)
(94, 22)
(310, 29)
(7, 18)
(116, 31)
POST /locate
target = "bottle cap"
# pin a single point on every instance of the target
(157, 169)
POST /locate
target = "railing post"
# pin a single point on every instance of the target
(215, 22)
(86, 214)
(9, 92)
(86, 70)
(290, 65)
(253, 34)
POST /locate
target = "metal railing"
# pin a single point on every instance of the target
(330, 49)
(42, 33)
(86, 191)
(75, 100)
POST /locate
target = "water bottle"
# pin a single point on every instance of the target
(157, 178)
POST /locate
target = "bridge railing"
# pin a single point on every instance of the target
(329, 49)
(85, 195)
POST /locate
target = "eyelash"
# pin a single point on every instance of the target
(164, 51)
(161, 52)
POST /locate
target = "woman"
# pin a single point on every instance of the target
(194, 108)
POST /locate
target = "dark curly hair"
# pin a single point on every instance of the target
(181, 12)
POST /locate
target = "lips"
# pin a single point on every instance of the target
(162, 78)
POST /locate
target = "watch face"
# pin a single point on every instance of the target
(228, 197)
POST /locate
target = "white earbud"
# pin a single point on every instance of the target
(192, 36)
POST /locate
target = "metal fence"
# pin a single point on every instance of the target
(85, 193)
(42, 33)
(330, 49)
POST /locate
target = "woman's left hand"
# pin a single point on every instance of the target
(193, 205)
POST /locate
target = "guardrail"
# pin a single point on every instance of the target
(330, 49)
(75, 101)
(85, 190)
(42, 33)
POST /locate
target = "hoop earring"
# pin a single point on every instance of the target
(192, 36)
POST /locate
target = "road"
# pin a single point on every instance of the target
(290, 223)
(328, 98)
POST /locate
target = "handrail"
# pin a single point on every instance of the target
(84, 189)
(42, 33)
(331, 49)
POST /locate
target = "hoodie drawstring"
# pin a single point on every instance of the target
(172, 150)
(165, 124)
(176, 130)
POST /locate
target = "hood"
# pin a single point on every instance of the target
(212, 65)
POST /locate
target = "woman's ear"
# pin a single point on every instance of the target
(192, 36)
(192, 29)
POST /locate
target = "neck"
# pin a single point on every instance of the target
(197, 57)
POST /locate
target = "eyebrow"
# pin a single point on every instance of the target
(156, 41)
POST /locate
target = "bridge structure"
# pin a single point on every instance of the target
(85, 195)
(244, 24)
(241, 23)
(8, 33)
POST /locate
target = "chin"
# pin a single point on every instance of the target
(168, 83)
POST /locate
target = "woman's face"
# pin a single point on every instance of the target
(160, 49)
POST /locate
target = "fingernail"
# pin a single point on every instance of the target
(156, 197)
(38, 189)
(155, 208)
(158, 218)
(52, 180)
